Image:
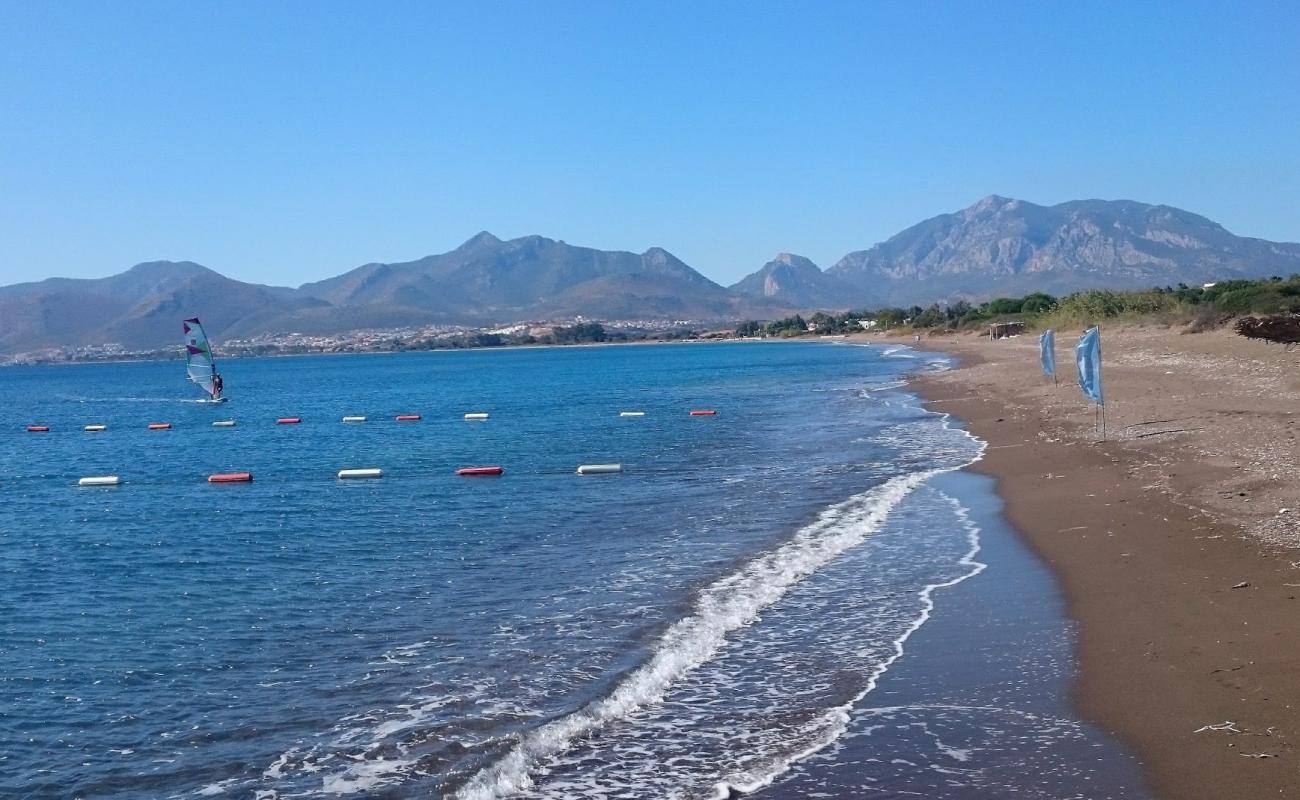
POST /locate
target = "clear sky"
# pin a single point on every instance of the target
(290, 141)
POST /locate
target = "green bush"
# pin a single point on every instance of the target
(1037, 303)
(1247, 298)
(1208, 307)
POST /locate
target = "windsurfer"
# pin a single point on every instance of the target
(217, 385)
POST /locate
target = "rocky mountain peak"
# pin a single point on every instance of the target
(993, 204)
(793, 260)
(480, 239)
(658, 256)
(792, 280)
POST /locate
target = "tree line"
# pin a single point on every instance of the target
(1209, 305)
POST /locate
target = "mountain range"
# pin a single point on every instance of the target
(995, 247)
(485, 281)
(1004, 247)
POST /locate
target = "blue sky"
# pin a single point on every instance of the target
(290, 141)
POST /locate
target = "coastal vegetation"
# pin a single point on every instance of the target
(1202, 307)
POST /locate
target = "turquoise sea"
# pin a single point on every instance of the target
(800, 596)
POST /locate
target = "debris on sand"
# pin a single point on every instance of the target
(1280, 329)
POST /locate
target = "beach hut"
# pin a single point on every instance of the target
(1001, 330)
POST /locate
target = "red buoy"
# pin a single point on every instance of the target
(407, 417)
(703, 412)
(38, 428)
(470, 472)
(288, 420)
(160, 426)
(230, 477)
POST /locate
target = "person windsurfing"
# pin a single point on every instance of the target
(199, 365)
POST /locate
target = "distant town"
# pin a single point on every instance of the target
(428, 337)
(454, 337)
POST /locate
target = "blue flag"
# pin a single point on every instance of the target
(1047, 352)
(1088, 357)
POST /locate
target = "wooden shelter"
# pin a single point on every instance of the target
(1001, 330)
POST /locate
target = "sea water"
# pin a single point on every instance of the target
(796, 597)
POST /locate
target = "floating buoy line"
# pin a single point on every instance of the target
(350, 473)
(474, 416)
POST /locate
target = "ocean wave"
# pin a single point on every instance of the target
(836, 721)
(884, 387)
(173, 399)
(899, 352)
(729, 604)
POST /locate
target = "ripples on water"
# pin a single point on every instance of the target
(697, 623)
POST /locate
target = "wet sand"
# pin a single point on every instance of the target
(979, 706)
(1168, 539)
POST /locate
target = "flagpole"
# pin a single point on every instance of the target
(1101, 392)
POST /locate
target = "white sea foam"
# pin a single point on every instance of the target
(729, 604)
(185, 400)
(839, 717)
(884, 387)
(899, 352)
(366, 775)
(214, 789)
(277, 767)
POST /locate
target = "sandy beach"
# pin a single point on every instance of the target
(1176, 541)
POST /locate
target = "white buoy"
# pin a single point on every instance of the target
(100, 480)
(224, 423)
(372, 472)
(354, 419)
(599, 469)
(631, 413)
(95, 428)
(476, 415)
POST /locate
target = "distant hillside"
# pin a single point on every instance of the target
(141, 307)
(490, 280)
(1009, 247)
(484, 281)
(793, 281)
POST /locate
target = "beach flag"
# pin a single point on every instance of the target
(1047, 352)
(1087, 355)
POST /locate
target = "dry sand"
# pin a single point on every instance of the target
(1170, 539)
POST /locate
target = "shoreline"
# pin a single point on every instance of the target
(228, 357)
(1184, 617)
(980, 678)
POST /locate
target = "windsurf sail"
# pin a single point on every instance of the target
(198, 357)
